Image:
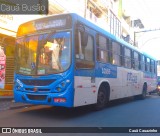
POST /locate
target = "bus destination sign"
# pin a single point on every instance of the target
(50, 24)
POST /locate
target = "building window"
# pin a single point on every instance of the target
(115, 25)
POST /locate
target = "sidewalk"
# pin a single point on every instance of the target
(9, 103)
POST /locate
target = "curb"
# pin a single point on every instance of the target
(17, 105)
(6, 98)
(10, 104)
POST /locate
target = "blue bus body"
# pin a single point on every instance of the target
(80, 82)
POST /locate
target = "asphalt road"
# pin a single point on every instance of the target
(119, 113)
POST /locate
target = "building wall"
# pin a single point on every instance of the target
(103, 13)
(7, 43)
(8, 28)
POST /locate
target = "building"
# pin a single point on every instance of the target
(108, 14)
(7, 41)
(100, 12)
(8, 28)
(111, 15)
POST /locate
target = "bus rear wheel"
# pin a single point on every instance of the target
(101, 99)
(144, 92)
(143, 95)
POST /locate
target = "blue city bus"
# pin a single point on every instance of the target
(65, 60)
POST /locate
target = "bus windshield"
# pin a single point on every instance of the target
(40, 55)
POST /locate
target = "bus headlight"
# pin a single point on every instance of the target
(62, 86)
(58, 89)
(18, 88)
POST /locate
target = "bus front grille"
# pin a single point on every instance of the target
(37, 97)
(38, 89)
(37, 82)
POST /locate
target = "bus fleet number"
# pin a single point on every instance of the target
(106, 71)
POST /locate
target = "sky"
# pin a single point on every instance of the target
(149, 13)
(151, 44)
(146, 10)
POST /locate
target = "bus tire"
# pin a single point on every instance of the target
(144, 93)
(102, 98)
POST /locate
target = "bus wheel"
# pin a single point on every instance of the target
(144, 92)
(101, 99)
(143, 95)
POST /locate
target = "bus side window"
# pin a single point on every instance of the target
(116, 53)
(142, 63)
(102, 48)
(127, 57)
(136, 61)
(139, 58)
(84, 53)
(147, 64)
(153, 66)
